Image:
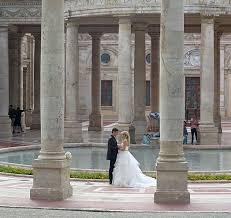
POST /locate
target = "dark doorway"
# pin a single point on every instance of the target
(192, 97)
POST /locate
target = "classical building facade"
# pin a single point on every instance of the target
(100, 84)
(122, 58)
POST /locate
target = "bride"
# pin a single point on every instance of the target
(127, 172)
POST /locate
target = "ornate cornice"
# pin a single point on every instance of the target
(29, 11)
(20, 12)
(12, 11)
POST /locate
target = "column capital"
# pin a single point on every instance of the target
(37, 36)
(6, 27)
(95, 35)
(72, 24)
(154, 32)
(154, 35)
(124, 20)
(140, 26)
(206, 18)
(217, 30)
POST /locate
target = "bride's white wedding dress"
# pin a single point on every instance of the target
(127, 172)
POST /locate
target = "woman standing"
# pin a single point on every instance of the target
(127, 172)
(194, 125)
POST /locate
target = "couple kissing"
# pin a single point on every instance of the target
(124, 169)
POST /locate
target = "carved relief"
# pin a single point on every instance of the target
(192, 37)
(20, 12)
(192, 58)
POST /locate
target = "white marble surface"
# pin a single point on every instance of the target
(124, 72)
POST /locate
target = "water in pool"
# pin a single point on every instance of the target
(95, 158)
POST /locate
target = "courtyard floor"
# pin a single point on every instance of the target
(91, 198)
(100, 196)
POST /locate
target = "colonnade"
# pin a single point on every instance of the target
(51, 169)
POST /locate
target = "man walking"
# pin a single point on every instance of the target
(112, 152)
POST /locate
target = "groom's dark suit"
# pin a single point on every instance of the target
(112, 152)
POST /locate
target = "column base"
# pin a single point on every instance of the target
(5, 126)
(172, 183)
(140, 130)
(95, 122)
(72, 132)
(36, 121)
(172, 197)
(208, 135)
(51, 180)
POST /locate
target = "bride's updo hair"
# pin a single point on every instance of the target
(125, 137)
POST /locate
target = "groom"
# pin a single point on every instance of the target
(112, 152)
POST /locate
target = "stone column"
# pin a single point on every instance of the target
(21, 77)
(222, 82)
(5, 123)
(29, 83)
(208, 132)
(52, 170)
(139, 82)
(14, 68)
(32, 55)
(73, 127)
(95, 118)
(36, 124)
(171, 165)
(155, 75)
(124, 75)
(228, 93)
(217, 92)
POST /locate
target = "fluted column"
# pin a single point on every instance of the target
(52, 170)
(171, 165)
(125, 74)
(36, 122)
(139, 82)
(5, 124)
(73, 127)
(155, 75)
(208, 130)
(95, 118)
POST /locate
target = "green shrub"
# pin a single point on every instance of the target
(15, 170)
(104, 175)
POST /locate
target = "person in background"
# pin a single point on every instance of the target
(185, 134)
(11, 114)
(194, 125)
(17, 121)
